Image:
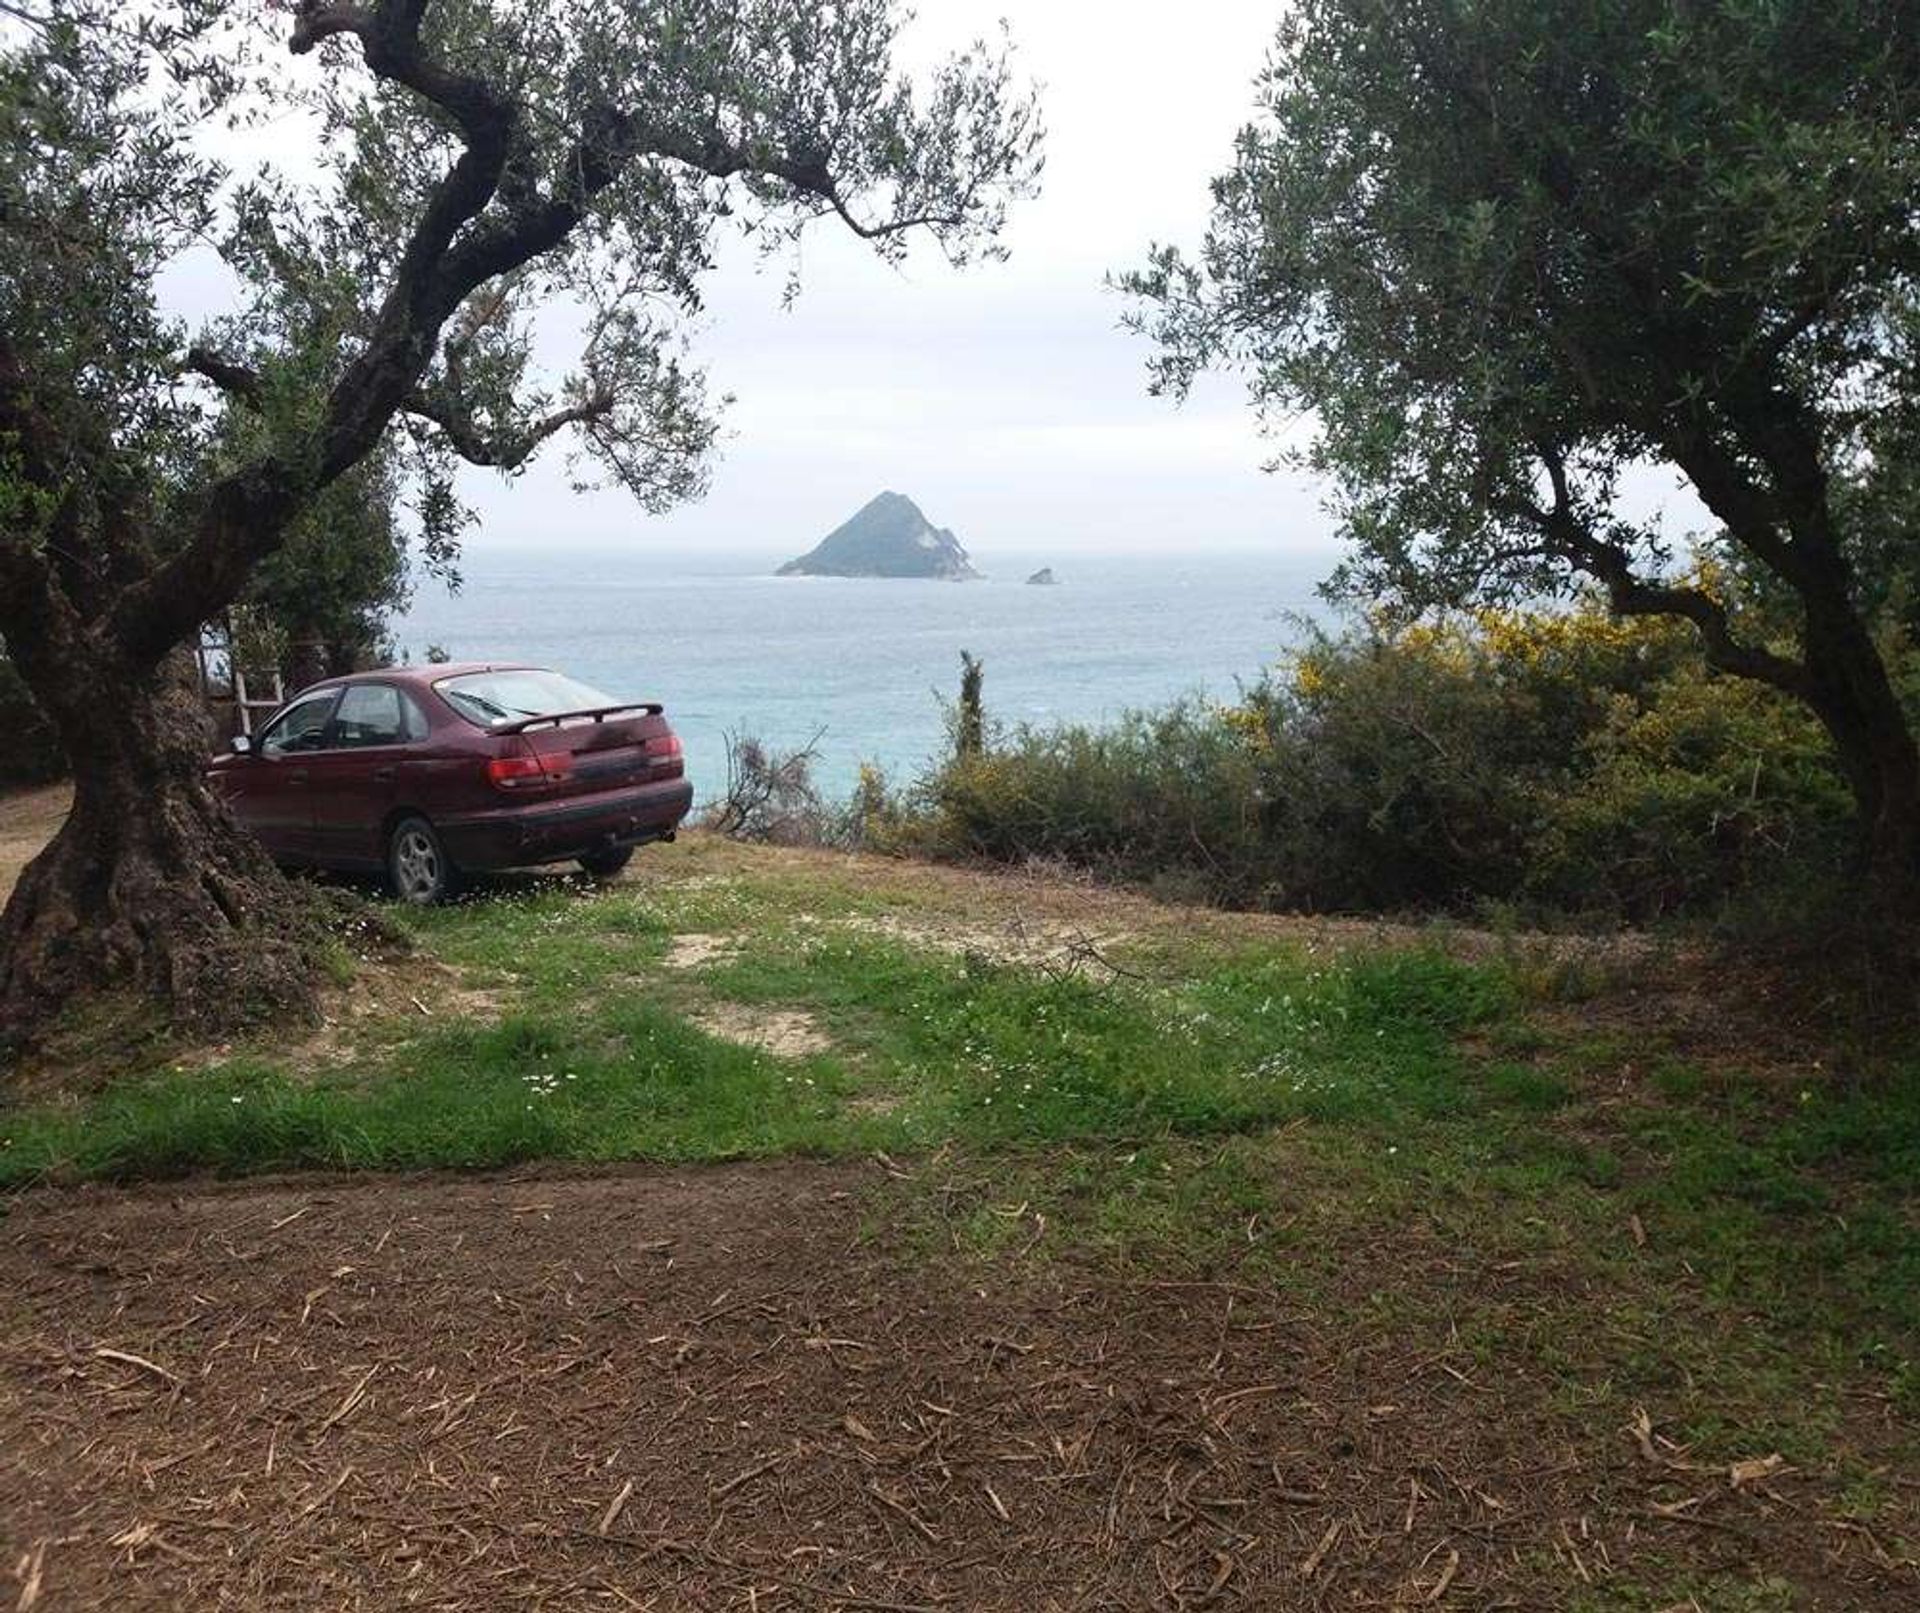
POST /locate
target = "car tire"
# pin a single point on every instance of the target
(419, 871)
(606, 864)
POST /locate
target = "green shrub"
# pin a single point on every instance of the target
(1712, 788)
(1156, 796)
(1554, 761)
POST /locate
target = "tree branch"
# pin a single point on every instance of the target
(314, 22)
(236, 380)
(1631, 597)
(452, 252)
(507, 451)
(246, 511)
(20, 13)
(1611, 565)
(610, 140)
(1749, 512)
(389, 35)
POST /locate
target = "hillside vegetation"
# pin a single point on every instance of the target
(1562, 767)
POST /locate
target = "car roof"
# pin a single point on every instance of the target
(432, 672)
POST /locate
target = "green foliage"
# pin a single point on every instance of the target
(1170, 796)
(1561, 761)
(870, 813)
(343, 571)
(969, 718)
(1509, 255)
(1708, 789)
(1462, 232)
(101, 186)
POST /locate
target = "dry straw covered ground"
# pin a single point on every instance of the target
(711, 1388)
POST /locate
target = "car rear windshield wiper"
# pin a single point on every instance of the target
(480, 702)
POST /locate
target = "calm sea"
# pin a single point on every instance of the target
(727, 646)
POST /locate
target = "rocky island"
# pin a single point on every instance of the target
(1043, 578)
(889, 537)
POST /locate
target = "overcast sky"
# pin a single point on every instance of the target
(1003, 398)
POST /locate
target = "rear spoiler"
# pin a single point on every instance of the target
(652, 708)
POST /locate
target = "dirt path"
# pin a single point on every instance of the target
(708, 1389)
(28, 819)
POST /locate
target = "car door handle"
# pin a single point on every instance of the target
(297, 776)
(385, 775)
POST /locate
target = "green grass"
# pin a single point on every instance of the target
(599, 1056)
(638, 1082)
(1225, 1103)
(1726, 1591)
(989, 1054)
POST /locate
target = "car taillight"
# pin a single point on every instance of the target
(665, 749)
(510, 772)
(523, 767)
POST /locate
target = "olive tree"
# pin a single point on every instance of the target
(1510, 253)
(321, 604)
(457, 167)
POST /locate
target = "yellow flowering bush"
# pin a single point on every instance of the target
(1561, 760)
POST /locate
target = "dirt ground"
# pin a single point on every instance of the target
(28, 819)
(718, 1388)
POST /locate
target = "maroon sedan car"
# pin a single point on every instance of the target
(429, 772)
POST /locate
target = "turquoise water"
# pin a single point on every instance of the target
(727, 646)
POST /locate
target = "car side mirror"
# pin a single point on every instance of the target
(242, 745)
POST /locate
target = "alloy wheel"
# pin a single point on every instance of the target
(417, 866)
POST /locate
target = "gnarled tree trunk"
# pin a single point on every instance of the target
(150, 886)
(1850, 690)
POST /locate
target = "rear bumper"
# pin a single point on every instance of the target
(531, 832)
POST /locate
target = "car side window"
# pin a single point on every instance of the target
(302, 726)
(413, 717)
(370, 714)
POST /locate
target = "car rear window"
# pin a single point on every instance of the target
(486, 698)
